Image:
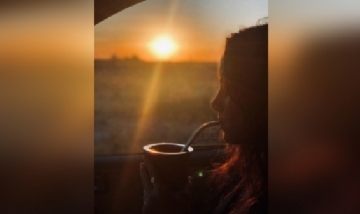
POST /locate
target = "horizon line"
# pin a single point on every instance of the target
(157, 61)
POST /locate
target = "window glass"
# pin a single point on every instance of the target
(156, 70)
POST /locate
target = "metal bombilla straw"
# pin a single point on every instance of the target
(197, 132)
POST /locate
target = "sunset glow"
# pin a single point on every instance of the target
(175, 30)
(163, 47)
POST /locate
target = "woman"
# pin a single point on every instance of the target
(241, 104)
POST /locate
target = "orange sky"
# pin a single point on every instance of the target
(199, 28)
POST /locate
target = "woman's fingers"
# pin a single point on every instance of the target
(145, 178)
(190, 179)
(152, 172)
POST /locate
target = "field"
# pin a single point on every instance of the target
(138, 103)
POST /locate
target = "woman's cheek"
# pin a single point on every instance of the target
(229, 119)
(236, 120)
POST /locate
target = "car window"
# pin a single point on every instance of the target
(156, 71)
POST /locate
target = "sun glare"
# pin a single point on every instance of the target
(163, 47)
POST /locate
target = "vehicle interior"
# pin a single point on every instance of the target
(117, 183)
(118, 187)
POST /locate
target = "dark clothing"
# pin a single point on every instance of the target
(207, 201)
(261, 207)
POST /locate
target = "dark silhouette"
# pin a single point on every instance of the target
(241, 104)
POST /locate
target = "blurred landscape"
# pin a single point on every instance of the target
(178, 104)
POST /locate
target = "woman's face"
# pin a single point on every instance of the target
(230, 116)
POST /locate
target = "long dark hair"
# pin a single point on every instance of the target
(242, 177)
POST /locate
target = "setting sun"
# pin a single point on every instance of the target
(163, 47)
